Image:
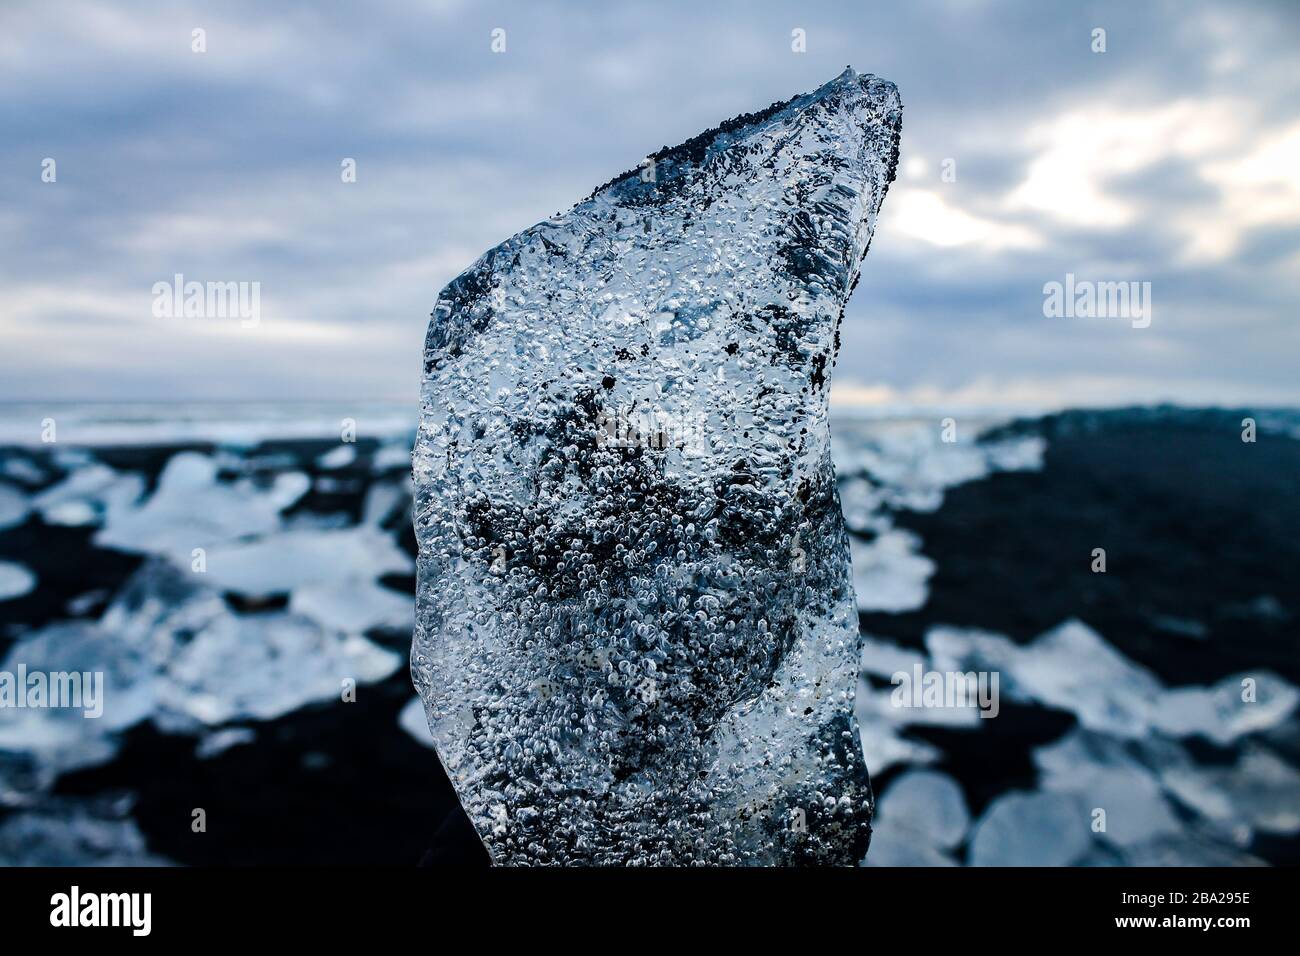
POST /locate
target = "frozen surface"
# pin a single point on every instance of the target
(636, 636)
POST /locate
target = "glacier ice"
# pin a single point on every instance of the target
(1095, 768)
(14, 506)
(287, 662)
(1219, 713)
(219, 741)
(910, 466)
(921, 818)
(88, 496)
(174, 653)
(25, 471)
(1163, 804)
(636, 635)
(37, 744)
(306, 558)
(1072, 668)
(886, 466)
(1257, 792)
(1189, 850)
(192, 508)
(1031, 829)
(15, 580)
(339, 457)
(889, 572)
(75, 832)
(412, 720)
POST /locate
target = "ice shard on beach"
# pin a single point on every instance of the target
(636, 637)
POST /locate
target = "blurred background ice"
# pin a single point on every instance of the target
(304, 591)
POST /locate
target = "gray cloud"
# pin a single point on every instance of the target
(225, 166)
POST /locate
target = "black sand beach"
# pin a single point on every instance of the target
(1202, 581)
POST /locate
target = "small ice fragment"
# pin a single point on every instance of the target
(89, 496)
(1070, 667)
(14, 506)
(354, 606)
(339, 457)
(278, 662)
(1234, 706)
(927, 804)
(65, 833)
(306, 558)
(889, 574)
(1031, 829)
(15, 580)
(190, 508)
(219, 741)
(1098, 770)
(413, 721)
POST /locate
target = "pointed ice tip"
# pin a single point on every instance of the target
(735, 252)
(866, 82)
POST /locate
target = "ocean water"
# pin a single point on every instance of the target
(241, 576)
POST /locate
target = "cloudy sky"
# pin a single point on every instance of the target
(1171, 158)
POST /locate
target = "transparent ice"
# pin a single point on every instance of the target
(636, 635)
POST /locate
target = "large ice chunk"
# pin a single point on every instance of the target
(636, 635)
